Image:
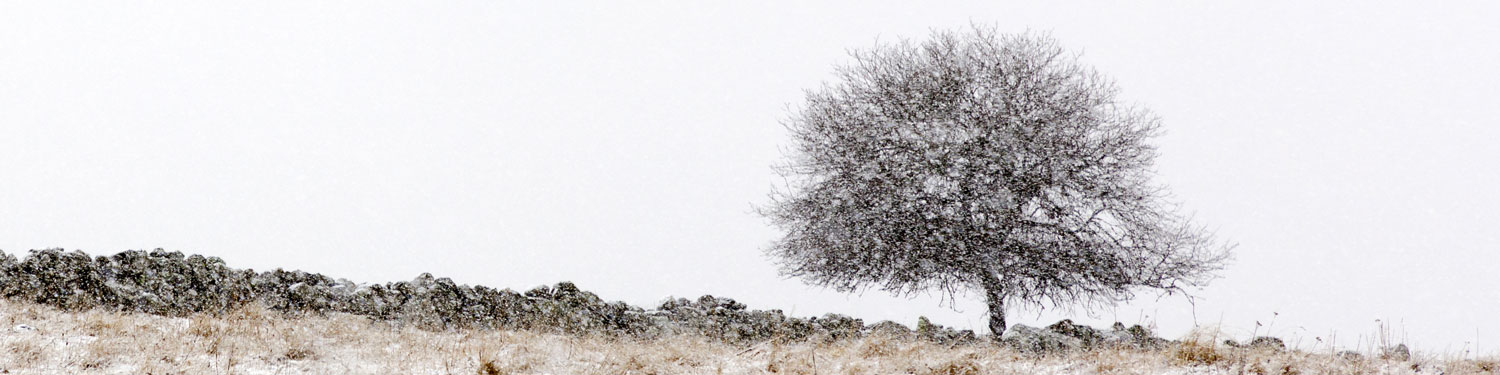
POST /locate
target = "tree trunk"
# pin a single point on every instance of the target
(994, 296)
(996, 300)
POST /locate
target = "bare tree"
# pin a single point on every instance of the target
(981, 162)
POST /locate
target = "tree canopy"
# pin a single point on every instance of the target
(977, 161)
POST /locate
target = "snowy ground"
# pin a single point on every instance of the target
(41, 340)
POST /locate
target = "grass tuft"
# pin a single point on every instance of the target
(1193, 353)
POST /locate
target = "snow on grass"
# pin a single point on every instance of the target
(42, 340)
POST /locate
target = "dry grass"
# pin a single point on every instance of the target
(256, 341)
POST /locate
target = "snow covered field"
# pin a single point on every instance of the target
(43, 340)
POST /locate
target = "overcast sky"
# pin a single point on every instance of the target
(1347, 148)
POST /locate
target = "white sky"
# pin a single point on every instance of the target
(1347, 148)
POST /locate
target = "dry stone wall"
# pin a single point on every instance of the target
(170, 283)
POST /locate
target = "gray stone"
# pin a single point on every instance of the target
(1135, 336)
(840, 326)
(889, 329)
(1038, 340)
(1087, 336)
(939, 334)
(1399, 352)
(1266, 342)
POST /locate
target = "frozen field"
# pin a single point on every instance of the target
(43, 340)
